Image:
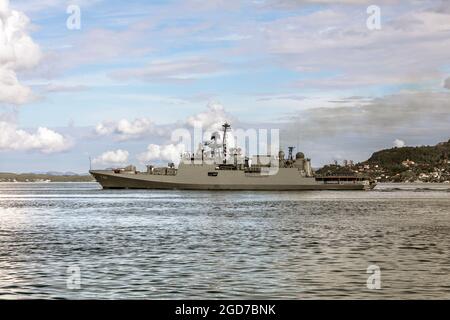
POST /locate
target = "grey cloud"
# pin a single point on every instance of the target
(171, 70)
(91, 47)
(64, 88)
(283, 97)
(331, 40)
(407, 111)
(289, 4)
(352, 99)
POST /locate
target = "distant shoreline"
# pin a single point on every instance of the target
(42, 178)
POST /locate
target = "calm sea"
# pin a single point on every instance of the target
(74, 240)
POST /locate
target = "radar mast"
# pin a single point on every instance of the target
(225, 127)
(291, 153)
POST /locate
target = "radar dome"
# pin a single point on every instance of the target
(299, 155)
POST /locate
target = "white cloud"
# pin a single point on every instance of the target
(125, 129)
(117, 157)
(44, 139)
(104, 128)
(17, 52)
(399, 143)
(138, 126)
(170, 152)
(210, 120)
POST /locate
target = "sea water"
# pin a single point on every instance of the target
(76, 241)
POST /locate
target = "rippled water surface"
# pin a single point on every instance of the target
(188, 244)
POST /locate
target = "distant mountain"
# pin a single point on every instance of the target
(405, 164)
(423, 155)
(410, 164)
(55, 173)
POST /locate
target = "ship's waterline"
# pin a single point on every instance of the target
(228, 180)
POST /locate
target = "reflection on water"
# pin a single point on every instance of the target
(189, 244)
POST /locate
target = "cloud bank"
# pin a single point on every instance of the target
(44, 140)
(171, 70)
(125, 129)
(169, 152)
(115, 157)
(211, 119)
(404, 111)
(17, 52)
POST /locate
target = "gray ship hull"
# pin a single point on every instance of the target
(198, 179)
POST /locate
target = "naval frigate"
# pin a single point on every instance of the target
(217, 170)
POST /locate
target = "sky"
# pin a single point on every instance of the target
(339, 79)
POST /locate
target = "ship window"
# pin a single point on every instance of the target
(213, 174)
